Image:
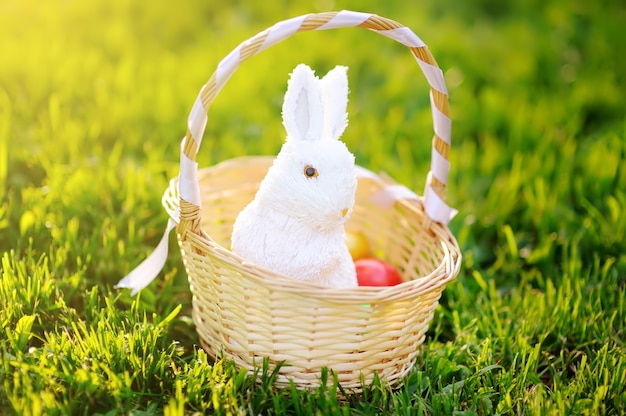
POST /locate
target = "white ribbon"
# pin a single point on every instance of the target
(389, 194)
(227, 67)
(188, 186)
(435, 207)
(386, 197)
(281, 30)
(434, 75)
(142, 275)
(345, 18)
(196, 122)
(440, 166)
(404, 35)
(442, 123)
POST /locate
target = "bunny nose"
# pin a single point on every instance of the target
(344, 212)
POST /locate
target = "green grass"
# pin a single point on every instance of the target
(93, 102)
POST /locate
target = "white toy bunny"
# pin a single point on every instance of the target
(295, 224)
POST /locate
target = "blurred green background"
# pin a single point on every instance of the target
(94, 98)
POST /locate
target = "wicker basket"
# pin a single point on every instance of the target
(247, 313)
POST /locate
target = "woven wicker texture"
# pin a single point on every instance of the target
(247, 313)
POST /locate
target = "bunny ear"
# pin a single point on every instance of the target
(335, 96)
(303, 114)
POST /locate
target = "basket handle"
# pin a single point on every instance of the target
(436, 180)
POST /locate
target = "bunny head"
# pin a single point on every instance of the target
(313, 177)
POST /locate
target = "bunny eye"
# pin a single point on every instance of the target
(310, 171)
